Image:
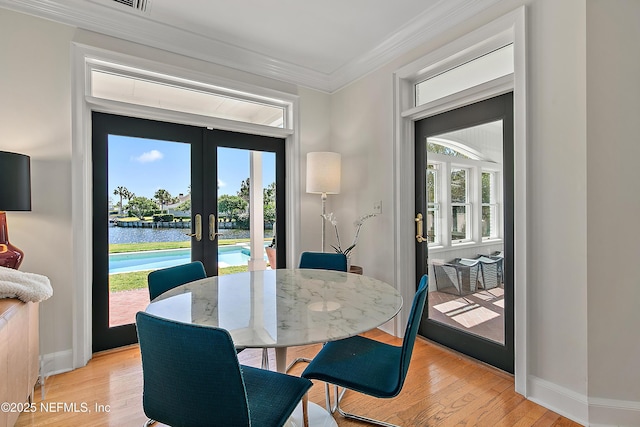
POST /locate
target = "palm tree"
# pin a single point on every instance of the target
(130, 195)
(124, 194)
(164, 197)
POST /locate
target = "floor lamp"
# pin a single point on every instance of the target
(15, 195)
(323, 177)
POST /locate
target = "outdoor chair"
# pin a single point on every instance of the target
(368, 366)
(192, 377)
(491, 269)
(461, 274)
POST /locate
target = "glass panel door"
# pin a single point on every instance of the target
(143, 185)
(246, 219)
(165, 194)
(149, 183)
(247, 203)
(464, 170)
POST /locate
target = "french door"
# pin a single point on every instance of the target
(464, 228)
(165, 194)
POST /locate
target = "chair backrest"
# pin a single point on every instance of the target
(446, 275)
(191, 374)
(323, 260)
(490, 271)
(160, 281)
(412, 328)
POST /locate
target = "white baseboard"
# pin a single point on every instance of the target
(56, 363)
(592, 412)
(565, 402)
(610, 412)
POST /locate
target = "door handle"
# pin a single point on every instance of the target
(212, 228)
(198, 228)
(419, 237)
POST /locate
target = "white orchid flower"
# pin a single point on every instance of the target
(331, 218)
(358, 224)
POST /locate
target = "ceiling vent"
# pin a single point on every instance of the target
(143, 6)
(139, 5)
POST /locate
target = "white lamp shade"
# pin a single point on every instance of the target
(323, 172)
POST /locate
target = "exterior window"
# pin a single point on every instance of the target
(460, 206)
(434, 147)
(489, 206)
(433, 204)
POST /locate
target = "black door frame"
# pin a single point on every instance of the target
(496, 108)
(204, 143)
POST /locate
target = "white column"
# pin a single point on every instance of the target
(256, 213)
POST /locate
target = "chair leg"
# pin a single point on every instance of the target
(298, 360)
(355, 416)
(305, 412)
(265, 358)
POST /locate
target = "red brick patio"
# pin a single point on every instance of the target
(124, 305)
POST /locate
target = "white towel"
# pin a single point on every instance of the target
(24, 286)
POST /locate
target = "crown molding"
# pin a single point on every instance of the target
(114, 23)
(424, 27)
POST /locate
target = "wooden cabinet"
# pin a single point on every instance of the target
(19, 354)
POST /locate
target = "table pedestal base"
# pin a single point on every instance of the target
(318, 417)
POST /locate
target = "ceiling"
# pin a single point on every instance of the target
(320, 44)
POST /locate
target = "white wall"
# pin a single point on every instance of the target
(557, 204)
(613, 93)
(35, 119)
(314, 136)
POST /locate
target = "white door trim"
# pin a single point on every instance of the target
(510, 29)
(81, 171)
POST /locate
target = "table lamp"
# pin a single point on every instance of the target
(323, 177)
(15, 195)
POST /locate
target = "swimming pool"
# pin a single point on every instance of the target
(152, 260)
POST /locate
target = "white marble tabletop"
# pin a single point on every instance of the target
(282, 308)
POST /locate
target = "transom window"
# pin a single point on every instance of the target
(495, 64)
(146, 89)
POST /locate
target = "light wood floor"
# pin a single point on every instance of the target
(442, 389)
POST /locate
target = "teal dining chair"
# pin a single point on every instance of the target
(323, 260)
(368, 366)
(192, 377)
(319, 261)
(164, 279)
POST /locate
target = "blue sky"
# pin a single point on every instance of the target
(143, 166)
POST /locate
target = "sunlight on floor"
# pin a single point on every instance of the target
(455, 304)
(475, 317)
(467, 313)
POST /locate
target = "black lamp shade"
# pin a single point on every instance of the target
(15, 182)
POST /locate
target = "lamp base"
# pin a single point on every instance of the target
(10, 256)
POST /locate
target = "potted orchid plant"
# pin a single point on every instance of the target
(357, 224)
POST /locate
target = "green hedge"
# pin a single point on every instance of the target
(163, 218)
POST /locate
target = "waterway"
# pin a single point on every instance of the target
(138, 235)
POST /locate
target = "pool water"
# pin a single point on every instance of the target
(231, 255)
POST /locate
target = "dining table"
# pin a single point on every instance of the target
(283, 308)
